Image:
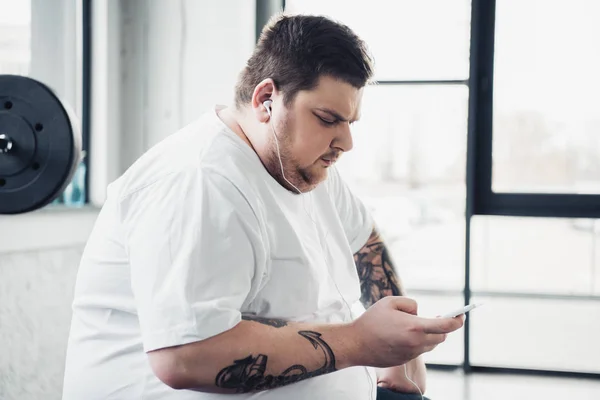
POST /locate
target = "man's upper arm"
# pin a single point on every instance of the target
(195, 255)
(376, 271)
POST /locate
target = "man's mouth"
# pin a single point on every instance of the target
(328, 161)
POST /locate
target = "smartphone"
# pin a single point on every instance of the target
(463, 310)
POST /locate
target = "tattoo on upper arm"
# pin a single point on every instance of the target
(274, 322)
(248, 374)
(376, 272)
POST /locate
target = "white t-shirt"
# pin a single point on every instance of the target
(194, 234)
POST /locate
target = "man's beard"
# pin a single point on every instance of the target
(296, 178)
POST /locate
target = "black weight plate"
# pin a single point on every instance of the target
(22, 140)
(46, 145)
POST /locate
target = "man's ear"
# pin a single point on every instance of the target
(264, 91)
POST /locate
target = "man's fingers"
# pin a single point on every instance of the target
(442, 325)
(429, 348)
(403, 304)
(433, 339)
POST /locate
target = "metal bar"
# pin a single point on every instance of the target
(86, 77)
(436, 292)
(478, 137)
(537, 296)
(535, 372)
(265, 9)
(482, 60)
(477, 369)
(423, 82)
(541, 205)
(444, 367)
(505, 295)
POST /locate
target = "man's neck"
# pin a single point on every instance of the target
(230, 118)
(234, 119)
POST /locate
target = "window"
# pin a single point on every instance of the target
(446, 163)
(529, 271)
(546, 256)
(409, 159)
(43, 40)
(546, 120)
(536, 334)
(534, 141)
(408, 166)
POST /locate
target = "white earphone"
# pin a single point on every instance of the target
(267, 104)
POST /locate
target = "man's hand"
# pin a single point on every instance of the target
(390, 333)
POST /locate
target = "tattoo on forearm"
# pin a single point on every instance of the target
(274, 322)
(376, 272)
(248, 374)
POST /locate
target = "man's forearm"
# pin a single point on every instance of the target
(376, 272)
(259, 355)
(378, 279)
(417, 372)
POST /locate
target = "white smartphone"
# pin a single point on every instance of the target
(463, 310)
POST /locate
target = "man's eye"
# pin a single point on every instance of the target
(327, 122)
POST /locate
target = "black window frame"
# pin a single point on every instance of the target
(482, 200)
(86, 87)
(486, 201)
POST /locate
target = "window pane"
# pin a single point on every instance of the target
(40, 39)
(546, 104)
(596, 257)
(533, 255)
(408, 166)
(410, 40)
(451, 351)
(544, 334)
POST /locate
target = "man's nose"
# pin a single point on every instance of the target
(343, 140)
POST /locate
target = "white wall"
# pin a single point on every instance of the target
(177, 70)
(158, 64)
(35, 292)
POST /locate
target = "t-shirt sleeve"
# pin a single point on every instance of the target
(355, 217)
(196, 256)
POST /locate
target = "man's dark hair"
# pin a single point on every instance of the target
(295, 51)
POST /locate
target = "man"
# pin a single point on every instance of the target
(227, 262)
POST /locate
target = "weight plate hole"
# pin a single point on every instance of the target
(8, 105)
(2, 182)
(39, 127)
(35, 166)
